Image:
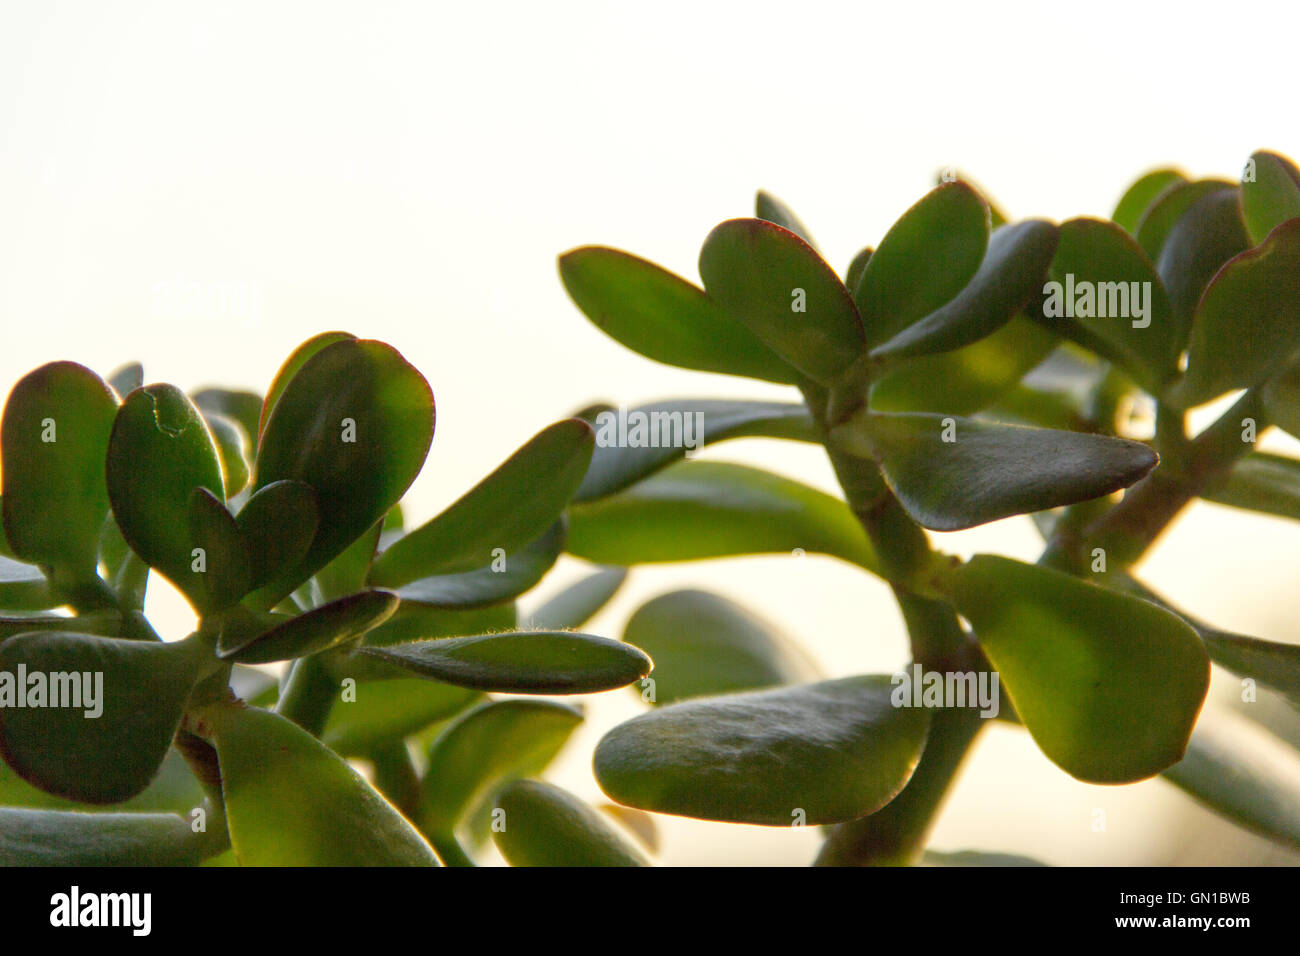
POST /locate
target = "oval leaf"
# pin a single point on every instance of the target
(767, 206)
(53, 441)
(784, 292)
(66, 838)
(925, 259)
(578, 603)
(1272, 196)
(159, 453)
(506, 510)
(707, 509)
(504, 579)
(291, 801)
(703, 644)
(836, 750)
(547, 826)
(120, 704)
(664, 317)
(311, 632)
(953, 473)
(526, 662)
(1139, 197)
(1108, 685)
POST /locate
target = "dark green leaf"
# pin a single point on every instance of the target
(1139, 197)
(233, 449)
(66, 838)
(347, 572)
(835, 750)
(225, 576)
(1167, 208)
(1108, 685)
(1240, 770)
(627, 451)
(277, 524)
(391, 710)
(664, 317)
(968, 379)
(127, 378)
(242, 407)
(136, 689)
(547, 826)
(526, 662)
(767, 206)
(291, 801)
(953, 473)
(707, 509)
(52, 445)
(578, 603)
(508, 576)
(1011, 274)
(316, 630)
(925, 259)
(355, 423)
(1105, 293)
(506, 510)
(1208, 235)
(1272, 197)
(494, 743)
(159, 452)
(704, 644)
(1274, 665)
(1261, 482)
(784, 292)
(290, 368)
(1281, 397)
(1247, 325)
(857, 265)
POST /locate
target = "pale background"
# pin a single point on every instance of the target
(409, 171)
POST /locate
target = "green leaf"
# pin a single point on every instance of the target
(925, 259)
(857, 265)
(291, 801)
(996, 216)
(1208, 235)
(953, 473)
(767, 206)
(1108, 685)
(277, 524)
(1139, 197)
(547, 826)
(232, 449)
(52, 445)
(1167, 208)
(67, 838)
(290, 368)
(1243, 772)
(524, 662)
(391, 710)
(245, 408)
(135, 689)
(968, 379)
(1011, 274)
(159, 453)
(704, 644)
(413, 622)
(355, 423)
(1272, 197)
(311, 632)
(635, 444)
(836, 750)
(507, 509)
(1261, 482)
(23, 587)
(664, 317)
(1281, 397)
(505, 578)
(174, 790)
(1274, 665)
(1247, 325)
(348, 571)
(1092, 298)
(486, 747)
(708, 509)
(784, 292)
(578, 603)
(226, 576)
(127, 378)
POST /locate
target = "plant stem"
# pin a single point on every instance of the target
(395, 775)
(308, 695)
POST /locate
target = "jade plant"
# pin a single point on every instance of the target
(967, 368)
(360, 692)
